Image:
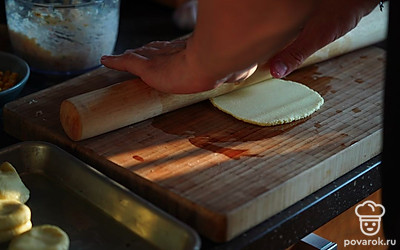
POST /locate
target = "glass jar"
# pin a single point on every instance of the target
(63, 36)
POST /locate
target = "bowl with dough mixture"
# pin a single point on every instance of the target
(62, 36)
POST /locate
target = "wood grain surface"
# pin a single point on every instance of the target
(220, 175)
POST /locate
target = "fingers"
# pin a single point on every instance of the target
(158, 48)
(306, 44)
(131, 62)
(318, 32)
(135, 61)
(242, 75)
(238, 76)
(291, 57)
(162, 45)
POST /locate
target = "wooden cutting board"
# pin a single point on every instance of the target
(220, 175)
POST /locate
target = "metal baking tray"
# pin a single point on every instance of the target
(95, 211)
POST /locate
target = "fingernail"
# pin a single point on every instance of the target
(105, 57)
(279, 69)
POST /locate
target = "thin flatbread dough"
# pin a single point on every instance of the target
(8, 234)
(13, 213)
(43, 237)
(270, 102)
(11, 185)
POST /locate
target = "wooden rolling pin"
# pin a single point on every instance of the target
(132, 101)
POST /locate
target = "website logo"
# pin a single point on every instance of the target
(370, 214)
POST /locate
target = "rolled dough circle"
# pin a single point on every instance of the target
(270, 102)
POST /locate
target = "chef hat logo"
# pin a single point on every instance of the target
(370, 209)
(370, 214)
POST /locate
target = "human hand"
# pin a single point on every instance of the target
(330, 20)
(222, 48)
(160, 64)
(165, 66)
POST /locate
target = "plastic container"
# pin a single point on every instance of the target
(63, 36)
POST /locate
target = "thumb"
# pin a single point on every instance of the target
(304, 45)
(318, 31)
(291, 57)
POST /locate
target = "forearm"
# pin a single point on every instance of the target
(231, 36)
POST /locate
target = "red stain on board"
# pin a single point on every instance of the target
(317, 125)
(359, 80)
(138, 158)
